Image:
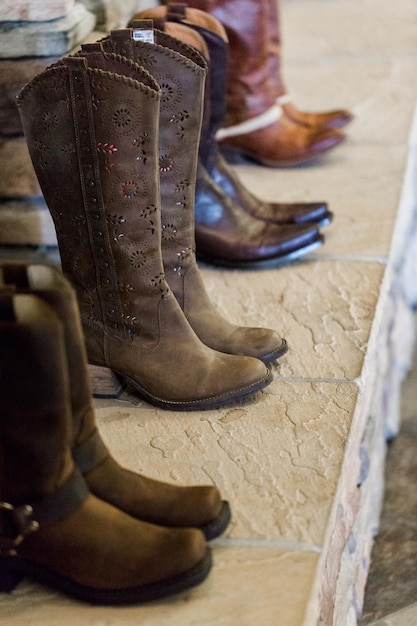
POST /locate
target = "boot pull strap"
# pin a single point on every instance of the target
(7, 312)
(18, 521)
(92, 47)
(176, 11)
(76, 62)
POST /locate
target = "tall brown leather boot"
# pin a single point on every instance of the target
(143, 498)
(256, 126)
(238, 198)
(177, 68)
(337, 118)
(227, 238)
(91, 126)
(51, 528)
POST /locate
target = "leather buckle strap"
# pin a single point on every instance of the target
(18, 521)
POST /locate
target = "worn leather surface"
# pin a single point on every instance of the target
(177, 66)
(138, 495)
(215, 38)
(94, 544)
(100, 179)
(253, 86)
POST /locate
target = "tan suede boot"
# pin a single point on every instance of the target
(51, 528)
(142, 497)
(177, 68)
(91, 125)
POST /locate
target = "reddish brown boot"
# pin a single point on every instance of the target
(255, 125)
(224, 187)
(329, 119)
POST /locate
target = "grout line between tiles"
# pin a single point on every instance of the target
(274, 544)
(305, 379)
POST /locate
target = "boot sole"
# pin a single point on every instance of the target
(265, 263)
(14, 569)
(198, 405)
(277, 354)
(217, 526)
(236, 156)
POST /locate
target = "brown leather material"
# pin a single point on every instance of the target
(81, 546)
(179, 135)
(137, 495)
(234, 238)
(214, 35)
(226, 233)
(284, 143)
(103, 194)
(252, 90)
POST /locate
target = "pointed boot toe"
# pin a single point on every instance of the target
(338, 118)
(282, 144)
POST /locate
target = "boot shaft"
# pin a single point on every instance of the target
(214, 37)
(181, 73)
(35, 428)
(91, 125)
(49, 284)
(252, 76)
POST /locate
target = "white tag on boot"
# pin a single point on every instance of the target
(142, 34)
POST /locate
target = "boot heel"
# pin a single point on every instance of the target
(105, 383)
(9, 578)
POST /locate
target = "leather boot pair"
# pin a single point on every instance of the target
(52, 528)
(215, 171)
(224, 234)
(92, 127)
(256, 125)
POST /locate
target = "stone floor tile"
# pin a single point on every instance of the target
(26, 220)
(348, 25)
(373, 90)
(276, 458)
(247, 586)
(54, 38)
(18, 177)
(27, 11)
(324, 310)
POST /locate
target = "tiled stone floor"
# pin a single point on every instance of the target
(288, 459)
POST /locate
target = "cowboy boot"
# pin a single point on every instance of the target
(51, 528)
(217, 168)
(228, 238)
(337, 118)
(135, 494)
(91, 126)
(179, 131)
(255, 126)
(179, 140)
